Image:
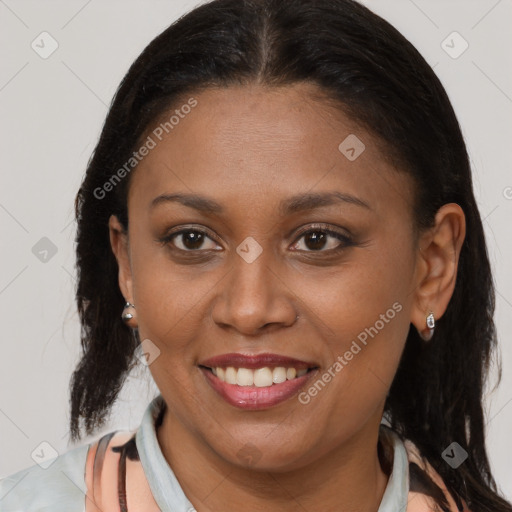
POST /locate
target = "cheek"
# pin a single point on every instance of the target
(169, 298)
(355, 295)
(366, 306)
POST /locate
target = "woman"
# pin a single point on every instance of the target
(279, 215)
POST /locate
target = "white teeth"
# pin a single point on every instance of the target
(245, 377)
(230, 375)
(279, 375)
(291, 373)
(261, 377)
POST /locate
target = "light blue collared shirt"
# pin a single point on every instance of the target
(61, 487)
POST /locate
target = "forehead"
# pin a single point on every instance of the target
(255, 144)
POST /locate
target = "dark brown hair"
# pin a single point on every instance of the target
(380, 80)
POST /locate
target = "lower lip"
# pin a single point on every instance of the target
(253, 397)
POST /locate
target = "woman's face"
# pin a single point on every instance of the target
(296, 245)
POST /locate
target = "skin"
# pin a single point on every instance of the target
(249, 148)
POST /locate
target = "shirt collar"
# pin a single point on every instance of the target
(170, 497)
(164, 485)
(397, 491)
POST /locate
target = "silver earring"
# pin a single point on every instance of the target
(128, 312)
(431, 324)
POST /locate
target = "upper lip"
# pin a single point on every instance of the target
(255, 361)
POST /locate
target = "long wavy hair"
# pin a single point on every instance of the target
(375, 76)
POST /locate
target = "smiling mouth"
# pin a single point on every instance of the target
(255, 389)
(258, 377)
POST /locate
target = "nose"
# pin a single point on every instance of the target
(253, 298)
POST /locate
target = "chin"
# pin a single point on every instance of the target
(263, 456)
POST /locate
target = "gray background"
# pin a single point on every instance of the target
(52, 111)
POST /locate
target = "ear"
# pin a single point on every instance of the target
(120, 248)
(438, 258)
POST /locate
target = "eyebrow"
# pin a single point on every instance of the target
(310, 201)
(294, 204)
(203, 204)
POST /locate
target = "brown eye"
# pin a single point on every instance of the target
(315, 240)
(191, 240)
(322, 240)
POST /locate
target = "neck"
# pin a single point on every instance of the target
(348, 477)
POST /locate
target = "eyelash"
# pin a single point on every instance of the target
(346, 241)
